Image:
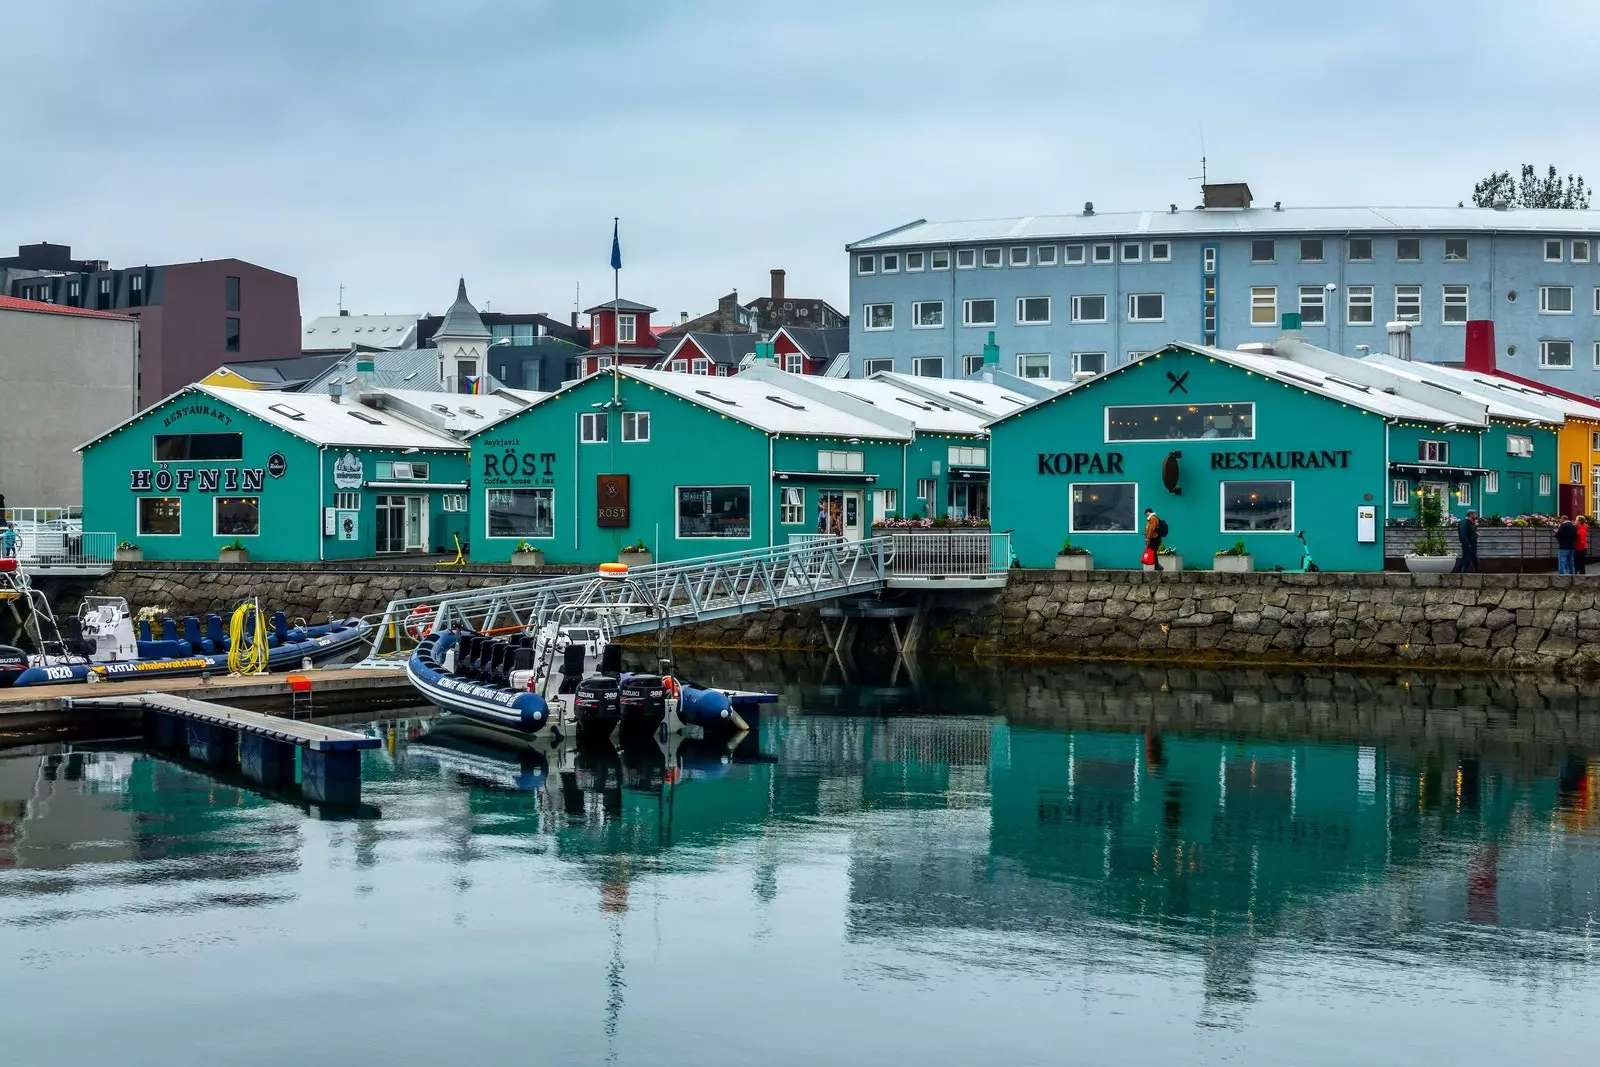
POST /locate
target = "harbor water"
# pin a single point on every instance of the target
(1049, 865)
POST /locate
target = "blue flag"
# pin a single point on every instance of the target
(616, 248)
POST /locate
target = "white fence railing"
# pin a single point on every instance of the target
(44, 548)
(949, 552)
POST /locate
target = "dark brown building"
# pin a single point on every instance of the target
(193, 317)
(765, 314)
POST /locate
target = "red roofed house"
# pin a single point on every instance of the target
(620, 335)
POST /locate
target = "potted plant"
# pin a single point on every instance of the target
(1235, 560)
(1431, 554)
(1170, 560)
(128, 552)
(527, 555)
(1073, 558)
(636, 554)
(234, 553)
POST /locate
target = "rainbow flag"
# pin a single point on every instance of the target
(475, 385)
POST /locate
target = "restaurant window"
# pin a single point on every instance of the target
(160, 516)
(237, 516)
(1103, 507)
(967, 500)
(636, 426)
(1260, 507)
(521, 512)
(1180, 422)
(714, 511)
(177, 447)
(792, 511)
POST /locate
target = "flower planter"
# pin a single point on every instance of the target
(533, 557)
(1074, 561)
(1235, 564)
(1172, 563)
(1430, 564)
(234, 555)
(635, 559)
(129, 555)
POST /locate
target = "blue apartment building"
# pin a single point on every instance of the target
(1075, 295)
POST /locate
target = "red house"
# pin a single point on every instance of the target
(806, 350)
(620, 335)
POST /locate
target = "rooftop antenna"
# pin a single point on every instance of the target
(1202, 178)
(341, 297)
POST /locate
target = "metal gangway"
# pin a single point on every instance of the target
(700, 590)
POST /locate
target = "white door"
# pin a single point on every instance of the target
(416, 523)
(852, 515)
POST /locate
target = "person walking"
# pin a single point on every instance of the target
(1580, 553)
(1566, 545)
(1467, 533)
(1155, 529)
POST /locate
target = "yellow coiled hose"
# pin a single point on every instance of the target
(248, 658)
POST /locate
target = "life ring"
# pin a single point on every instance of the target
(669, 685)
(419, 622)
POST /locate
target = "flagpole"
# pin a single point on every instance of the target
(616, 312)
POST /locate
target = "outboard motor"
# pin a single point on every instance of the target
(643, 701)
(597, 704)
(13, 661)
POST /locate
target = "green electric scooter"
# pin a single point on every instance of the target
(1307, 564)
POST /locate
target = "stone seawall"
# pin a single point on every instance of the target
(1481, 621)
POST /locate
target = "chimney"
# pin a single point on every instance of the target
(1400, 340)
(1480, 346)
(335, 390)
(683, 317)
(364, 373)
(1290, 324)
(777, 286)
(344, 313)
(991, 353)
(574, 320)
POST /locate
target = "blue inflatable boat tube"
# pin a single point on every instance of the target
(494, 704)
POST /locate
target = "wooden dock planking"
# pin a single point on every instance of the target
(345, 683)
(314, 736)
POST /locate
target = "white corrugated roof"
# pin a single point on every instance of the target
(336, 333)
(460, 413)
(924, 412)
(993, 401)
(1506, 400)
(764, 405)
(315, 417)
(526, 396)
(1333, 386)
(1238, 221)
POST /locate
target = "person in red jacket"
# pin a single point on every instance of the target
(1581, 553)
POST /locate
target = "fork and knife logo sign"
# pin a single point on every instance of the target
(1177, 381)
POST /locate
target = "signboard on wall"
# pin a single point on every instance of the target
(349, 525)
(611, 500)
(348, 472)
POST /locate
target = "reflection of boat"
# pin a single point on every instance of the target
(100, 641)
(480, 757)
(566, 675)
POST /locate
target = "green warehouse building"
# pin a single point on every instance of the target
(1227, 446)
(289, 476)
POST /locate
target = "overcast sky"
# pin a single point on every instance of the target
(391, 145)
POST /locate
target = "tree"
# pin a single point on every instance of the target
(1531, 190)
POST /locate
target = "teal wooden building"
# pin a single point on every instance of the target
(1225, 446)
(289, 476)
(688, 465)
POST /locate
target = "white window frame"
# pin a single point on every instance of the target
(792, 506)
(834, 459)
(632, 422)
(1402, 317)
(1400, 491)
(928, 493)
(886, 502)
(1556, 244)
(1580, 254)
(869, 366)
(1491, 482)
(1450, 294)
(1012, 258)
(794, 363)
(966, 258)
(1165, 253)
(603, 363)
(1077, 307)
(1045, 255)
(1463, 494)
(1208, 261)
(1432, 451)
(889, 263)
(971, 365)
(1313, 296)
(1263, 297)
(918, 361)
(920, 257)
(138, 515)
(1074, 486)
(700, 365)
(966, 311)
(1575, 473)
(866, 318)
(1544, 354)
(1544, 299)
(1222, 507)
(1078, 358)
(1133, 302)
(593, 428)
(1109, 250)
(345, 500)
(1022, 302)
(1130, 251)
(866, 263)
(1597, 300)
(1448, 258)
(679, 366)
(935, 257)
(1597, 367)
(216, 502)
(1546, 485)
(1351, 303)
(630, 335)
(916, 315)
(992, 254)
(1075, 256)
(1023, 357)
(967, 456)
(536, 490)
(1322, 249)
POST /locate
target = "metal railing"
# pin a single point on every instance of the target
(964, 553)
(44, 549)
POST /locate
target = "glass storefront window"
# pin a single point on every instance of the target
(159, 516)
(197, 446)
(1104, 507)
(522, 512)
(714, 511)
(1180, 422)
(237, 516)
(1258, 506)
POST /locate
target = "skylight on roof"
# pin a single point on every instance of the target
(964, 396)
(913, 403)
(1446, 388)
(1017, 400)
(469, 411)
(785, 403)
(709, 395)
(410, 376)
(351, 380)
(288, 412)
(364, 417)
(441, 409)
(1297, 378)
(1349, 385)
(863, 399)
